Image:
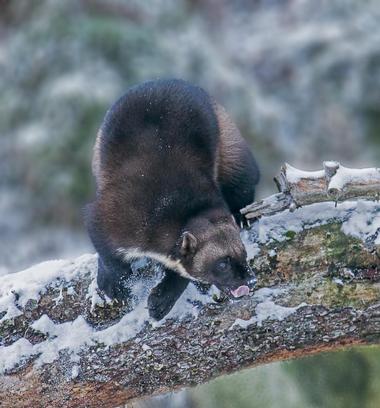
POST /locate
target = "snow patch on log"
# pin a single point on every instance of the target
(294, 175)
(72, 336)
(33, 282)
(364, 222)
(15, 354)
(18, 288)
(267, 309)
(360, 219)
(251, 246)
(69, 336)
(337, 175)
(345, 176)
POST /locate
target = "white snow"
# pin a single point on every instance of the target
(341, 178)
(364, 222)
(75, 371)
(295, 175)
(344, 176)
(267, 308)
(264, 294)
(73, 335)
(14, 354)
(32, 282)
(69, 336)
(252, 247)
(352, 215)
(331, 163)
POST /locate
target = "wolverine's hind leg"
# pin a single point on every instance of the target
(237, 170)
(238, 183)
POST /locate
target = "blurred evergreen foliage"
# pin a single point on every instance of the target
(301, 78)
(339, 380)
(330, 380)
(292, 74)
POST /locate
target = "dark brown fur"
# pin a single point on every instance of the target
(171, 168)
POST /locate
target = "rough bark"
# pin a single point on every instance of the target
(318, 289)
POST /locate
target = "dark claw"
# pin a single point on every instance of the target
(244, 222)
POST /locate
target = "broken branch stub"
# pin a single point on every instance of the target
(334, 183)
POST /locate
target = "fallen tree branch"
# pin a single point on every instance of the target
(62, 344)
(333, 183)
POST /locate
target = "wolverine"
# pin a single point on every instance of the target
(172, 172)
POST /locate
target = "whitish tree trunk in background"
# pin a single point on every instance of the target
(318, 272)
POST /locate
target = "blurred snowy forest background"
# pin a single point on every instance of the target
(300, 77)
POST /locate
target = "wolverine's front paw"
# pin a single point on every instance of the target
(163, 297)
(114, 285)
(159, 305)
(115, 290)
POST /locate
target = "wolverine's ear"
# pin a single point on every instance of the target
(189, 243)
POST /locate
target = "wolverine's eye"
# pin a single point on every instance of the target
(223, 265)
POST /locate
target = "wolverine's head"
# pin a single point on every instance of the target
(211, 251)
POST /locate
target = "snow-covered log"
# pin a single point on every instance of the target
(318, 267)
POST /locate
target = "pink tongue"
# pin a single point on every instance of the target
(240, 291)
